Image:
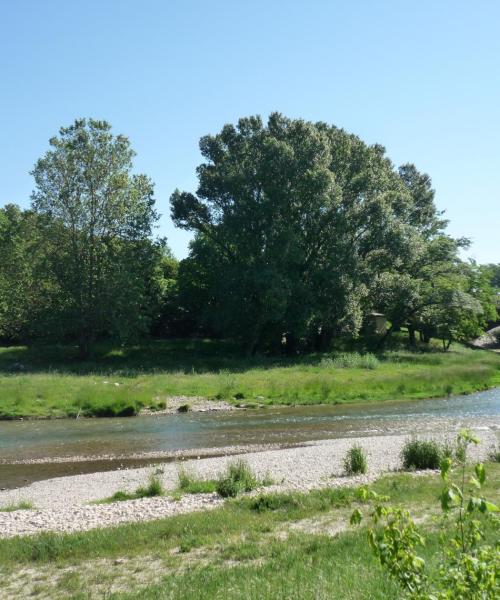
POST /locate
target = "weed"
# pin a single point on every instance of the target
(355, 461)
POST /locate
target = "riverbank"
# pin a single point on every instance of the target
(51, 383)
(297, 546)
(65, 504)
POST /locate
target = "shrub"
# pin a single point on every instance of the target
(355, 461)
(238, 478)
(421, 454)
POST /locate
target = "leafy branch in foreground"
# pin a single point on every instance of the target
(469, 566)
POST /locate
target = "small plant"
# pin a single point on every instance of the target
(469, 567)
(22, 505)
(153, 488)
(238, 478)
(355, 461)
(421, 454)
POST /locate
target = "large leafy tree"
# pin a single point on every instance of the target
(99, 222)
(293, 220)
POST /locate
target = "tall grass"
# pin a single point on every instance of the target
(351, 360)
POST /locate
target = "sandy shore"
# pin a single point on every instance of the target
(63, 504)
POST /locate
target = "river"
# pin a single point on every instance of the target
(60, 447)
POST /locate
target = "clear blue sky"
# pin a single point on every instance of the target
(422, 78)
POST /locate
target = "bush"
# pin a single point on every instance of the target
(238, 478)
(351, 360)
(355, 461)
(422, 454)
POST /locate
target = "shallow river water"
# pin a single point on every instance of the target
(111, 443)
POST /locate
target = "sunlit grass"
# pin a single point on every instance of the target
(266, 546)
(121, 381)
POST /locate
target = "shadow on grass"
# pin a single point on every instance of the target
(186, 356)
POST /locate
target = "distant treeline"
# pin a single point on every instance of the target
(300, 230)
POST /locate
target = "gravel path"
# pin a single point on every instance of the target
(62, 504)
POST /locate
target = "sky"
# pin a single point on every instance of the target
(421, 78)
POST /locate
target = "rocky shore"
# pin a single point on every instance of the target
(64, 504)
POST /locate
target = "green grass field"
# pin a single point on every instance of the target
(274, 546)
(48, 381)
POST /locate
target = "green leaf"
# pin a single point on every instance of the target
(480, 473)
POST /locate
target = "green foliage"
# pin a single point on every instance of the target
(470, 566)
(355, 461)
(238, 478)
(294, 220)
(97, 239)
(351, 360)
(421, 454)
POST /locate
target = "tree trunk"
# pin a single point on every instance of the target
(84, 346)
(411, 336)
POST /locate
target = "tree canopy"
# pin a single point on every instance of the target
(98, 235)
(301, 228)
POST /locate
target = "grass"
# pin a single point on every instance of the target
(49, 381)
(23, 505)
(236, 479)
(355, 461)
(153, 488)
(273, 546)
(191, 484)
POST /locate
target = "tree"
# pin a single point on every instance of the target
(293, 220)
(26, 290)
(99, 221)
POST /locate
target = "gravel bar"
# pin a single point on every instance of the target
(63, 504)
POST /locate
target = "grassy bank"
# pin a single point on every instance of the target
(273, 546)
(51, 382)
